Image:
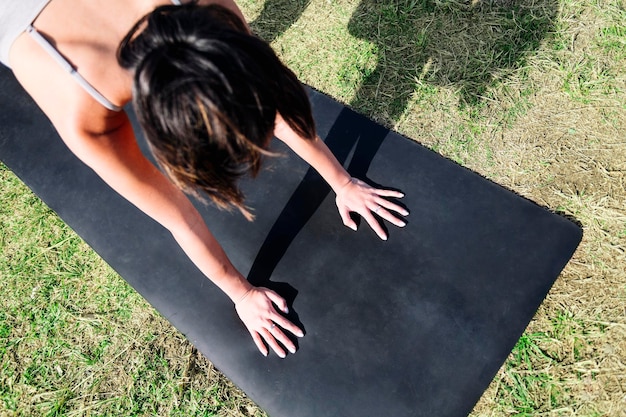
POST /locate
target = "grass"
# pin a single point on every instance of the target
(75, 339)
(530, 94)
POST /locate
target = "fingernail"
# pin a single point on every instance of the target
(405, 213)
(353, 227)
(300, 334)
(384, 238)
(292, 349)
(402, 224)
(282, 355)
(286, 310)
(264, 354)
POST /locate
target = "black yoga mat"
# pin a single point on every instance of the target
(415, 326)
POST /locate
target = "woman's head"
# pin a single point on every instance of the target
(206, 93)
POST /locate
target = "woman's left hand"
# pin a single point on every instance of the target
(357, 196)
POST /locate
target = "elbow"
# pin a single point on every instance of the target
(91, 144)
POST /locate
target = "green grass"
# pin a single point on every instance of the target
(530, 94)
(75, 339)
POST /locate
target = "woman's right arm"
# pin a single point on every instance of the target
(115, 156)
(105, 141)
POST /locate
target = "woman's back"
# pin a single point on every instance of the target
(87, 35)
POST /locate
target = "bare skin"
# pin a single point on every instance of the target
(88, 34)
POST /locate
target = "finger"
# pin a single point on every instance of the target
(385, 214)
(376, 227)
(384, 211)
(390, 205)
(388, 193)
(278, 300)
(288, 325)
(280, 320)
(259, 342)
(282, 338)
(269, 338)
(346, 219)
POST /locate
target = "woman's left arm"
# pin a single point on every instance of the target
(352, 195)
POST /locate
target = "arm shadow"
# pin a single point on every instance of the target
(466, 45)
(352, 138)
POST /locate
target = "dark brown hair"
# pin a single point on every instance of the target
(206, 93)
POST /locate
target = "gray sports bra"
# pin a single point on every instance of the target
(48, 47)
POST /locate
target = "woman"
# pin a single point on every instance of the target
(209, 96)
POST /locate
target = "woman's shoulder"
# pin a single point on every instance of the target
(81, 55)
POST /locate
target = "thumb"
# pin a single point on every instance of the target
(346, 219)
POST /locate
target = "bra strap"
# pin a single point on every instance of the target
(51, 50)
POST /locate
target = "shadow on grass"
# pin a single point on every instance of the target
(277, 16)
(468, 45)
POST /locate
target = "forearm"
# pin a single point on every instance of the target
(207, 254)
(117, 159)
(353, 196)
(315, 153)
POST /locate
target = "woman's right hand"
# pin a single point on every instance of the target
(256, 311)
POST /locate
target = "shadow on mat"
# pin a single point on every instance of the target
(351, 132)
(468, 45)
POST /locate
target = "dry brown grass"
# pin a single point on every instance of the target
(570, 157)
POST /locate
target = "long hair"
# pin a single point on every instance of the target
(207, 93)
